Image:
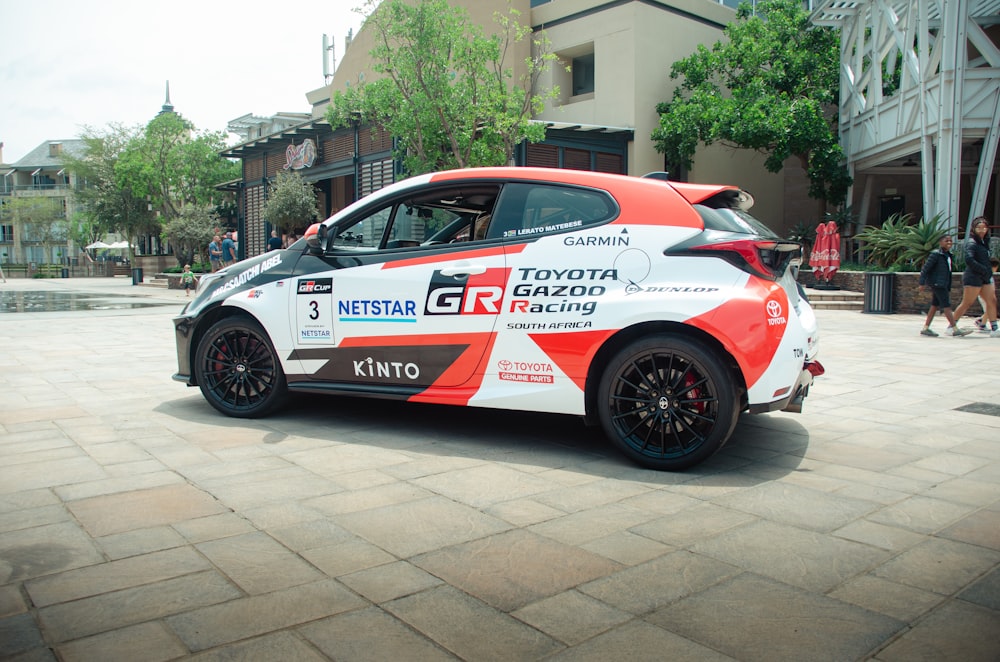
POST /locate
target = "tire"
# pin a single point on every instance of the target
(667, 402)
(238, 370)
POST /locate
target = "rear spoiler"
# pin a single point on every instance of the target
(697, 193)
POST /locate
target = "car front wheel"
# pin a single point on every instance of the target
(667, 402)
(238, 370)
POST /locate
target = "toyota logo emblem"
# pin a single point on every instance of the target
(773, 309)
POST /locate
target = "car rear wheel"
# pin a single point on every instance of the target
(238, 370)
(667, 402)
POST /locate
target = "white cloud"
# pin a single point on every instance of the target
(70, 64)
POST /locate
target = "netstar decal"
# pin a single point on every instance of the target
(479, 294)
(377, 310)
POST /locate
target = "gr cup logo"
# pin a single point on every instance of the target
(477, 294)
(316, 286)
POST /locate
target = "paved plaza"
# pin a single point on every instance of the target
(137, 523)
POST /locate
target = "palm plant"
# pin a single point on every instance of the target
(805, 234)
(885, 243)
(899, 242)
(920, 239)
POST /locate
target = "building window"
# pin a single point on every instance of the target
(42, 181)
(6, 233)
(583, 74)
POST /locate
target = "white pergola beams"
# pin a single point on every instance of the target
(948, 95)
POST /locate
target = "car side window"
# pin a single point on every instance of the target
(365, 234)
(432, 217)
(531, 209)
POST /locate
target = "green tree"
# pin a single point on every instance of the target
(106, 205)
(189, 231)
(771, 86)
(291, 201)
(446, 90)
(171, 166)
(40, 218)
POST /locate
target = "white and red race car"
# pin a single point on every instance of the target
(659, 309)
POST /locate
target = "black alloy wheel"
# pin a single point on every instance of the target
(667, 402)
(238, 370)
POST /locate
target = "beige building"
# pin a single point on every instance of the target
(39, 177)
(619, 53)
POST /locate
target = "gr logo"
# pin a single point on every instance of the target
(316, 286)
(477, 294)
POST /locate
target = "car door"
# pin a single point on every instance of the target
(412, 298)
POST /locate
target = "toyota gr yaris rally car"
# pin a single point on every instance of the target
(659, 309)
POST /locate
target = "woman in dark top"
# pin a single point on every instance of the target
(977, 280)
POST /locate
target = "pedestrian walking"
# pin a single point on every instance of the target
(936, 273)
(982, 323)
(977, 281)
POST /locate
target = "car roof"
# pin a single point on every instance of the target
(643, 200)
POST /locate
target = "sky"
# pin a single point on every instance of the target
(70, 64)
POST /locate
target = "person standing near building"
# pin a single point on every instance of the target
(228, 250)
(977, 281)
(937, 273)
(215, 253)
(274, 243)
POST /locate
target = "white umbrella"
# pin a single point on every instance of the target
(119, 244)
(98, 244)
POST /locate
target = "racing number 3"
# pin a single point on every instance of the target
(315, 311)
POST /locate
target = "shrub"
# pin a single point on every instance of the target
(901, 244)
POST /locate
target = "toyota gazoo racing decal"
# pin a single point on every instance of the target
(479, 294)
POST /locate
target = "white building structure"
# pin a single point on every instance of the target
(920, 86)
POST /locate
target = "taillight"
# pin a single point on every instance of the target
(763, 257)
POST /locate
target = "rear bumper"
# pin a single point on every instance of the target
(797, 394)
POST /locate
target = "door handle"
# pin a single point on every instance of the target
(464, 270)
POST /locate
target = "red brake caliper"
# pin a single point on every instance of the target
(695, 393)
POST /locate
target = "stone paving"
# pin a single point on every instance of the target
(136, 523)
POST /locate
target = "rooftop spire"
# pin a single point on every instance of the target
(167, 107)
